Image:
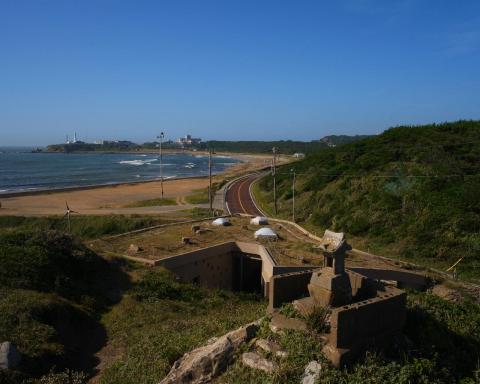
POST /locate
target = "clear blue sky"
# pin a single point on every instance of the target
(243, 69)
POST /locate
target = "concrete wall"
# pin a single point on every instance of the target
(367, 319)
(214, 267)
(362, 287)
(288, 287)
(404, 279)
(211, 267)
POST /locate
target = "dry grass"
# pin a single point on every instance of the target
(167, 241)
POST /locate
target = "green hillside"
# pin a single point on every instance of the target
(411, 192)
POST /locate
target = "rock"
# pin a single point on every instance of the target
(195, 228)
(267, 345)
(207, 362)
(312, 372)
(133, 248)
(270, 347)
(186, 240)
(9, 355)
(280, 322)
(255, 361)
(200, 231)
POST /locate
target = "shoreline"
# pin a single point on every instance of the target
(242, 158)
(116, 198)
(94, 186)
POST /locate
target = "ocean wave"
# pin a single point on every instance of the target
(132, 162)
(223, 157)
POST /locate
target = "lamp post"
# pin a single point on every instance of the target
(274, 174)
(161, 136)
(293, 194)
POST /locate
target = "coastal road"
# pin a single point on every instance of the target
(238, 198)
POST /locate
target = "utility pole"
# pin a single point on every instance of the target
(161, 136)
(210, 197)
(274, 174)
(293, 195)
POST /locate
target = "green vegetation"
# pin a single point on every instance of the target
(284, 146)
(411, 192)
(52, 291)
(199, 196)
(60, 303)
(287, 147)
(442, 345)
(85, 227)
(162, 319)
(152, 203)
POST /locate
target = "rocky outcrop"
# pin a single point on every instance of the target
(312, 372)
(255, 361)
(207, 362)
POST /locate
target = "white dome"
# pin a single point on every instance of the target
(259, 220)
(266, 233)
(221, 221)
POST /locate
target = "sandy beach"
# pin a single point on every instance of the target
(107, 200)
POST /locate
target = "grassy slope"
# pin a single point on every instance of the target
(442, 345)
(60, 304)
(85, 227)
(162, 319)
(367, 190)
(152, 203)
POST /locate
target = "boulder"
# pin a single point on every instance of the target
(280, 323)
(312, 372)
(9, 355)
(207, 362)
(255, 361)
(133, 248)
(270, 347)
(195, 228)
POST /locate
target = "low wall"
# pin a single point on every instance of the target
(367, 322)
(403, 278)
(288, 287)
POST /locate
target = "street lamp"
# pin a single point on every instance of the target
(293, 194)
(161, 136)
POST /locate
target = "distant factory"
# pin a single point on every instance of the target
(188, 141)
(74, 141)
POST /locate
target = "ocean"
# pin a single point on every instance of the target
(21, 170)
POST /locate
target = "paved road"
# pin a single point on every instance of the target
(238, 197)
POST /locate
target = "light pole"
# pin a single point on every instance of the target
(210, 197)
(161, 136)
(293, 194)
(274, 172)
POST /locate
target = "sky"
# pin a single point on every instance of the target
(233, 70)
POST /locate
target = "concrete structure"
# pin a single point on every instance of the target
(364, 312)
(259, 220)
(188, 140)
(266, 233)
(234, 266)
(221, 221)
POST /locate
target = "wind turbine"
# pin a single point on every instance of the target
(67, 215)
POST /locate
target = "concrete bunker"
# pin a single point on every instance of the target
(233, 266)
(364, 312)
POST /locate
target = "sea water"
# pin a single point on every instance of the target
(21, 170)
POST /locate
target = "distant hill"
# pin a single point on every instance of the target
(283, 146)
(412, 191)
(336, 140)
